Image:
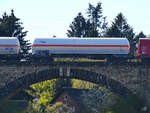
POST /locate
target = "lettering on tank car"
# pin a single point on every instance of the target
(9, 48)
(43, 42)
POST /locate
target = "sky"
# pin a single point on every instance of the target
(46, 18)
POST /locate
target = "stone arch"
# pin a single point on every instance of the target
(13, 87)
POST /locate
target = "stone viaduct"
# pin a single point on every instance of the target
(123, 79)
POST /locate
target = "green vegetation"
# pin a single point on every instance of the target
(45, 91)
(120, 28)
(10, 26)
(82, 84)
(58, 107)
(102, 100)
(99, 99)
(140, 35)
(131, 104)
(93, 26)
(12, 106)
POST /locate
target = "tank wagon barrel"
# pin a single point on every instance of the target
(80, 46)
(110, 48)
(9, 48)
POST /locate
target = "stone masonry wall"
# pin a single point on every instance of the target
(134, 77)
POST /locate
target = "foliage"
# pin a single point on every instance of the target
(82, 84)
(93, 26)
(106, 102)
(96, 19)
(140, 35)
(23, 95)
(78, 27)
(11, 26)
(96, 100)
(45, 91)
(35, 107)
(12, 106)
(131, 104)
(120, 28)
(58, 107)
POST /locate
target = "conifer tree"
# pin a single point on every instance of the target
(93, 26)
(140, 35)
(10, 26)
(98, 22)
(136, 39)
(77, 28)
(120, 28)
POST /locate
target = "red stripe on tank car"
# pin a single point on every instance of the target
(9, 45)
(70, 45)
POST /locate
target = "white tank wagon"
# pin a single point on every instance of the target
(9, 46)
(80, 46)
